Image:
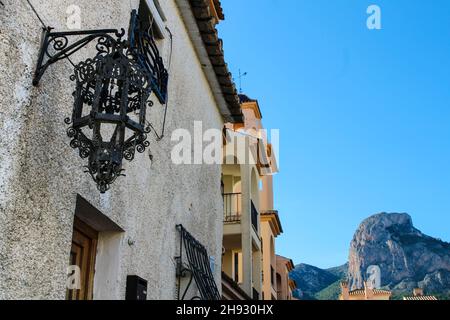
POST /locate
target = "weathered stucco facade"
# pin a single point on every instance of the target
(41, 176)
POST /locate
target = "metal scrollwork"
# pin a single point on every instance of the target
(144, 48)
(111, 95)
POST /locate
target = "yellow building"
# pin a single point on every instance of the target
(250, 223)
(241, 177)
(285, 285)
(363, 294)
(270, 229)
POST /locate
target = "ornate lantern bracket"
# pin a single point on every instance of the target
(59, 41)
(111, 95)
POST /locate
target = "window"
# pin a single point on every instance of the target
(237, 267)
(197, 259)
(272, 276)
(160, 11)
(151, 18)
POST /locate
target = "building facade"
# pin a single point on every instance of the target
(52, 216)
(367, 293)
(251, 224)
(242, 172)
(285, 285)
(270, 229)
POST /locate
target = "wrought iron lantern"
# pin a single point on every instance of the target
(111, 95)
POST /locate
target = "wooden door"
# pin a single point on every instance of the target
(82, 254)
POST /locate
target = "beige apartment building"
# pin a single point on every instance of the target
(137, 236)
(285, 285)
(270, 229)
(251, 223)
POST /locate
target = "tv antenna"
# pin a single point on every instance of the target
(241, 75)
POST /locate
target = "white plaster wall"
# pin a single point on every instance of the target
(40, 174)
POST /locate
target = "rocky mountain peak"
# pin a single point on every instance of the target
(377, 225)
(406, 257)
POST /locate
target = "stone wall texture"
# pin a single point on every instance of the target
(40, 175)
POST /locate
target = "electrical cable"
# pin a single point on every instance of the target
(45, 26)
(159, 137)
(37, 14)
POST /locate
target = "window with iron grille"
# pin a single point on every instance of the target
(152, 18)
(194, 262)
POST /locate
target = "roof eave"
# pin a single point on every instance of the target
(203, 34)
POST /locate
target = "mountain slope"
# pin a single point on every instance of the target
(407, 258)
(330, 293)
(312, 280)
(341, 272)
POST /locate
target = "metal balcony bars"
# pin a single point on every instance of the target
(232, 207)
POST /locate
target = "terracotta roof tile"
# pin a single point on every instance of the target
(422, 298)
(219, 9)
(214, 48)
(375, 292)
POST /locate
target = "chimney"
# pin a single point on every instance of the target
(345, 293)
(368, 291)
(418, 292)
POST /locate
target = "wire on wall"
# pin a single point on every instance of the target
(159, 137)
(37, 14)
(45, 26)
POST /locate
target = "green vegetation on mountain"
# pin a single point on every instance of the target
(318, 284)
(329, 293)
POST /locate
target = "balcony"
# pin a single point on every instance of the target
(232, 204)
(232, 209)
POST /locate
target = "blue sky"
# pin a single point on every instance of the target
(364, 116)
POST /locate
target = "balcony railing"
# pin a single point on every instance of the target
(232, 209)
(255, 217)
(232, 204)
